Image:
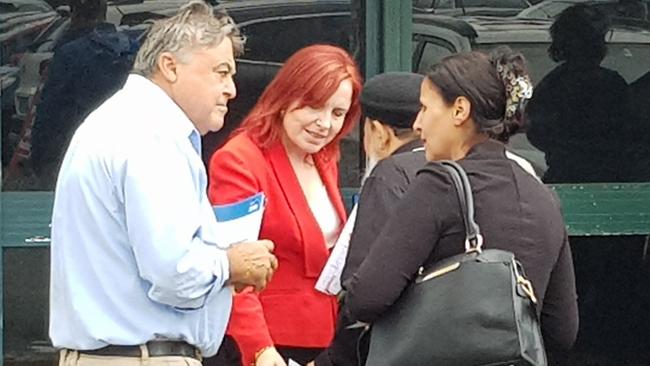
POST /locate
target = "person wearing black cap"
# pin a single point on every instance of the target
(390, 103)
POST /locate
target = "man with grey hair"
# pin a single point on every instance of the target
(138, 273)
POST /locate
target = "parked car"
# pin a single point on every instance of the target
(22, 6)
(21, 21)
(549, 9)
(471, 7)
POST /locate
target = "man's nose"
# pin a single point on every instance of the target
(230, 89)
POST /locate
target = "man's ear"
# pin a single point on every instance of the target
(462, 110)
(168, 66)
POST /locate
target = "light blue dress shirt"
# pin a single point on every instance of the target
(134, 250)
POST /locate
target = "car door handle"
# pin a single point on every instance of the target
(38, 239)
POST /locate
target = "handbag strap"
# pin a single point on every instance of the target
(473, 237)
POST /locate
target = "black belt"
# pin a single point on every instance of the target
(155, 348)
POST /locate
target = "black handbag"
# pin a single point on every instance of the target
(471, 309)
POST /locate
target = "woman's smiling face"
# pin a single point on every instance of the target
(308, 129)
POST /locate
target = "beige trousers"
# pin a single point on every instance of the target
(74, 358)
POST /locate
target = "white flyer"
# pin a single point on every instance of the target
(240, 221)
(329, 281)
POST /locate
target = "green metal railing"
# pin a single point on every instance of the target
(605, 209)
(24, 223)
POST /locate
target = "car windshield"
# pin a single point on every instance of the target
(515, 4)
(539, 64)
(24, 6)
(551, 9)
(496, 3)
(628, 59)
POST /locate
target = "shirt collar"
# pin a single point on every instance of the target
(168, 117)
(409, 146)
(489, 148)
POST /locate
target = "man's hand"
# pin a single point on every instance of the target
(270, 357)
(252, 264)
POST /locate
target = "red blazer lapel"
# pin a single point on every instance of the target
(314, 249)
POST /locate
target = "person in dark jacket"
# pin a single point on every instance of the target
(390, 102)
(469, 101)
(640, 91)
(587, 121)
(83, 73)
(85, 15)
(581, 110)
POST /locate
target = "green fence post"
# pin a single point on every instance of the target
(397, 30)
(388, 36)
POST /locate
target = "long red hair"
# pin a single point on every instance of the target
(310, 77)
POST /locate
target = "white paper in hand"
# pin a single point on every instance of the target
(293, 363)
(329, 281)
(240, 221)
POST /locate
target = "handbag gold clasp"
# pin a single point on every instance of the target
(525, 284)
(527, 287)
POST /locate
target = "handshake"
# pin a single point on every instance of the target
(251, 264)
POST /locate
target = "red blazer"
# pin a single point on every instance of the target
(289, 312)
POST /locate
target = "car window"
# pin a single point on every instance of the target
(553, 9)
(544, 10)
(275, 40)
(445, 4)
(630, 60)
(448, 4)
(25, 6)
(432, 53)
(536, 54)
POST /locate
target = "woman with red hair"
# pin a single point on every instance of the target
(288, 148)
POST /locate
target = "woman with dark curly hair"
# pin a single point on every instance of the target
(582, 117)
(580, 110)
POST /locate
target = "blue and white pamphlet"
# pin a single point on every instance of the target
(240, 221)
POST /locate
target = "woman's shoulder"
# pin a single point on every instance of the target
(240, 142)
(240, 147)
(240, 153)
(434, 176)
